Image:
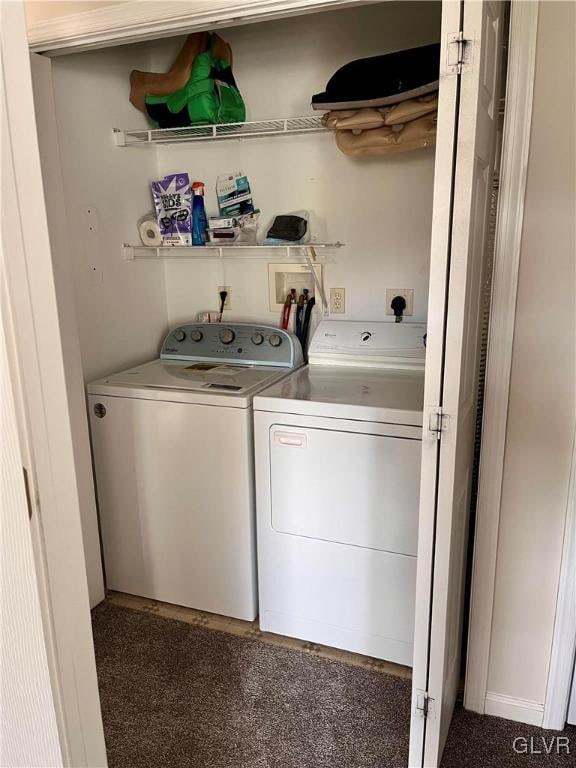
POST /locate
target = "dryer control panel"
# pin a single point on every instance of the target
(375, 344)
(238, 343)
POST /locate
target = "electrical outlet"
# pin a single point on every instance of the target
(228, 302)
(337, 301)
(407, 293)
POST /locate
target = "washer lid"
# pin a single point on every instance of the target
(210, 383)
(364, 394)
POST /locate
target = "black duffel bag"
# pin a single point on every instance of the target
(381, 80)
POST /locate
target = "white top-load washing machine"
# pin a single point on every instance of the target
(173, 454)
(337, 476)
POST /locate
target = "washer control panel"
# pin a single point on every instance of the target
(238, 343)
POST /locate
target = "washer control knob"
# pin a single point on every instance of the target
(257, 338)
(196, 335)
(179, 335)
(275, 340)
(227, 336)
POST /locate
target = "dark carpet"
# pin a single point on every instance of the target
(175, 695)
(475, 741)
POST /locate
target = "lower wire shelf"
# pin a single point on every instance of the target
(292, 252)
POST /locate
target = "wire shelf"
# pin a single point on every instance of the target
(270, 252)
(283, 127)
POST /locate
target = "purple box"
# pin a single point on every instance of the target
(173, 202)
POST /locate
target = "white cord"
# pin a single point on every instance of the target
(311, 254)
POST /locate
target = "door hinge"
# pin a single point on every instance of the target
(437, 421)
(459, 53)
(424, 704)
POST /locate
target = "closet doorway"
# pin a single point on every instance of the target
(466, 151)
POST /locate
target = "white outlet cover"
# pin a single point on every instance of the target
(337, 301)
(407, 293)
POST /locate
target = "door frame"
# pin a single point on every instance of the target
(46, 426)
(136, 21)
(508, 237)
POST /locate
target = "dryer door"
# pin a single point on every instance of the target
(344, 487)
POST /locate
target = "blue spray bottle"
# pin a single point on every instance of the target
(199, 219)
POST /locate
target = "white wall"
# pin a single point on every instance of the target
(112, 312)
(381, 208)
(121, 305)
(541, 411)
(61, 248)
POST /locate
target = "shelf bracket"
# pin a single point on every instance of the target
(119, 137)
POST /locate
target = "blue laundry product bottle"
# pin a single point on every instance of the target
(199, 218)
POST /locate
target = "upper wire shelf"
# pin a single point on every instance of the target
(282, 127)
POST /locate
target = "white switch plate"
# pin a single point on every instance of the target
(407, 293)
(228, 302)
(337, 301)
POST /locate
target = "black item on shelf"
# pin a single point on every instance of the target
(381, 80)
(289, 228)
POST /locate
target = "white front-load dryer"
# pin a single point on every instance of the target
(338, 448)
(173, 457)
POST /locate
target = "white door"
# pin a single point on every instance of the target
(28, 727)
(465, 162)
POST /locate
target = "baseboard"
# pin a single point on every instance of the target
(511, 708)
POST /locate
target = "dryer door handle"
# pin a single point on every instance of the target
(291, 439)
